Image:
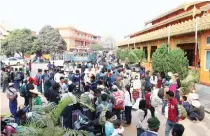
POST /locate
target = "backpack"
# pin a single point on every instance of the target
(36, 80)
(23, 91)
(102, 117)
(183, 112)
(119, 105)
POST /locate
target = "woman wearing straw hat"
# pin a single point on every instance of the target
(36, 98)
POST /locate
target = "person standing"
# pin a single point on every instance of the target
(12, 96)
(27, 70)
(174, 112)
(38, 80)
(29, 86)
(154, 80)
(119, 101)
(143, 115)
(12, 75)
(16, 80)
(49, 66)
(46, 79)
(128, 104)
(30, 66)
(5, 79)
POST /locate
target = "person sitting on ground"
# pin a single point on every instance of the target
(109, 127)
(185, 103)
(104, 104)
(36, 98)
(118, 128)
(196, 111)
(178, 130)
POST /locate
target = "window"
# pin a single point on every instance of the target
(208, 60)
(208, 40)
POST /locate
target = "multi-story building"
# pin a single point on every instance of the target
(75, 38)
(186, 27)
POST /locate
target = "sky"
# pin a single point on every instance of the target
(116, 18)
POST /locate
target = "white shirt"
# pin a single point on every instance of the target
(153, 81)
(118, 131)
(127, 100)
(57, 77)
(136, 84)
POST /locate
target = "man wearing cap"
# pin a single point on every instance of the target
(12, 96)
(153, 124)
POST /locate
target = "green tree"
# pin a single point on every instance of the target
(18, 41)
(49, 41)
(140, 54)
(132, 57)
(170, 61)
(96, 47)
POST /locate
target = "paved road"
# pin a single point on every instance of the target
(191, 129)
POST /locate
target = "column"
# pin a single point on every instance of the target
(148, 56)
(148, 53)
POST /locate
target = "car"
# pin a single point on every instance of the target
(13, 61)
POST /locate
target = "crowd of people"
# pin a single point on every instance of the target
(111, 90)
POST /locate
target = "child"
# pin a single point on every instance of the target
(118, 129)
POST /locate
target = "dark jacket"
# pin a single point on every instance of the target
(178, 83)
(54, 95)
(76, 78)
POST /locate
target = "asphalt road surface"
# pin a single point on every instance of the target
(191, 128)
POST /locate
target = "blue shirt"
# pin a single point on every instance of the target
(109, 128)
(109, 66)
(149, 133)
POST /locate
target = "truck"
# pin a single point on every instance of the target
(77, 56)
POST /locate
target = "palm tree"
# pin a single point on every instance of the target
(48, 123)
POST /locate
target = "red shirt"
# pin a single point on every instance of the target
(147, 98)
(173, 110)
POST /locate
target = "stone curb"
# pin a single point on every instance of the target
(207, 111)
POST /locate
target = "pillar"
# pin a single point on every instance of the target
(148, 53)
(172, 44)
